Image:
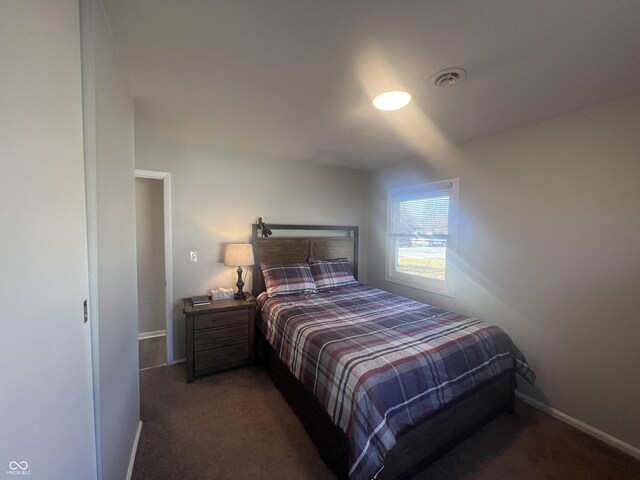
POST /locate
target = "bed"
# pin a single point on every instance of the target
(381, 383)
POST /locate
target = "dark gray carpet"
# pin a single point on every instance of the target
(236, 425)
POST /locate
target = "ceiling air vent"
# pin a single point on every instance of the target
(448, 77)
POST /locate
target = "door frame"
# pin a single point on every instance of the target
(168, 265)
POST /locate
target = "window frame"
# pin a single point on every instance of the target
(444, 287)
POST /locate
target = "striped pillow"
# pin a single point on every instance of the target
(331, 273)
(287, 278)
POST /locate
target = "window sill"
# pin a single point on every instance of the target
(446, 289)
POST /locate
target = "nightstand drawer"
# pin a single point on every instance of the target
(220, 319)
(220, 358)
(220, 337)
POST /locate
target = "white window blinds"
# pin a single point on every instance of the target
(422, 214)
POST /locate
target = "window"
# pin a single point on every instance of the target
(420, 235)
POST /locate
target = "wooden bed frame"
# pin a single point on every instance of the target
(416, 447)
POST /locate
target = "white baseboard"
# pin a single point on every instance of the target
(132, 459)
(157, 333)
(179, 360)
(586, 428)
(155, 366)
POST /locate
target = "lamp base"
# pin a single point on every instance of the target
(239, 295)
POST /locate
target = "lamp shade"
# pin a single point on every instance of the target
(238, 254)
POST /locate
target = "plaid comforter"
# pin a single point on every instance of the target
(380, 363)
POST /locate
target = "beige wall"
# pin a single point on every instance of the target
(216, 197)
(150, 255)
(109, 163)
(548, 249)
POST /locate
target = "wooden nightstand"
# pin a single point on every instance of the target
(219, 335)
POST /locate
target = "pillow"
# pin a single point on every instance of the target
(329, 274)
(287, 278)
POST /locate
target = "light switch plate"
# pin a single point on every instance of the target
(193, 256)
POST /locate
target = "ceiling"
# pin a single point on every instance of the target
(294, 78)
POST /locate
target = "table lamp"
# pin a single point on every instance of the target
(239, 255)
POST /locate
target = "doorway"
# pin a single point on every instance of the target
(153, 244)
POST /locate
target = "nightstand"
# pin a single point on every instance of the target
(219, 335)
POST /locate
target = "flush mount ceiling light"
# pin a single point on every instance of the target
(448, 77)
(389, 101)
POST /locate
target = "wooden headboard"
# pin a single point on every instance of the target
(277, 249)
